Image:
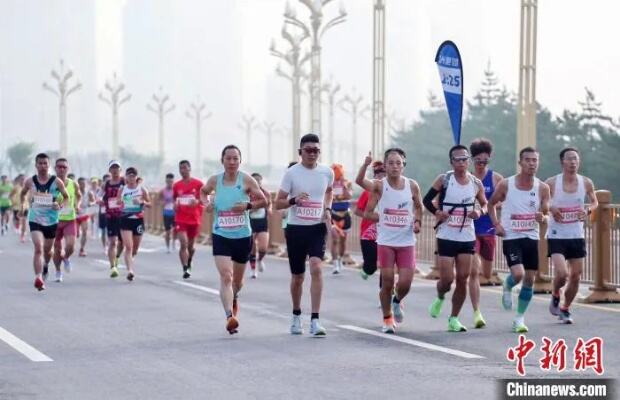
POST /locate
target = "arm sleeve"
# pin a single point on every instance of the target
(428, 200)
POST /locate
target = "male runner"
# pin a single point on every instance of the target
(166, 199)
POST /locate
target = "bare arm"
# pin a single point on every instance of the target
(63, 191)
(369, 212)
(591, 194)
(482, 200)
(146, 198)
(24, 192)
(361, 179)
(417, 205)
(207, 190)
(255, 191)
(499, 195)
(545, 195)
(328, 198)
(347, 192)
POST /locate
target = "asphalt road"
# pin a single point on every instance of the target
(92, 337)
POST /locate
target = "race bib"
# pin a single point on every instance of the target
(5, 195)
(169, 206)
(523, 222)
(310, 210)
(65, 211)
(113, 203)
(570, 214)
(231, 219)
(258, 214)
(186, 200)
(338, 190)
(396, 218)
(43, 199)
(103, 209)
(458, 219)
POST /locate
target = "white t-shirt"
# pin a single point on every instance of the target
(299, 179)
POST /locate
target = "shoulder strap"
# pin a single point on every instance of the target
(444, 187)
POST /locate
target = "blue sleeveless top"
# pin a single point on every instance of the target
(227, 223)
(483, 225)
(42, 201)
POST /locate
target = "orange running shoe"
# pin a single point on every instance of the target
(39, 284)
(231, 325)
(388, 325)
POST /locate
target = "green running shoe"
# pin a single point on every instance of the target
(455, 326)
(113, 272)
(518, 325)
(506, 297)
(479, 322)
(363, 274)
(435, 308)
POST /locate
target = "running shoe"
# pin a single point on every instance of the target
(67, 264)
(82, 253)
(506, 297)
(39, 284)
(45, 272)
(316, 329)
(435, 308)
(296, 327)
(518, 325)
(187, 272)
(363, 274)
(235, 308)
(454, 325)
(565, 317)
(261, 266)
(397, 311)
(337, 266)
(388, 326)
(59, 276)
(130, 276)
(232, 324)
(479, 321)
(254, 274)
(113, 272)
(554, 306)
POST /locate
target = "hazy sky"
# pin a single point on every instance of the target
(573, 43)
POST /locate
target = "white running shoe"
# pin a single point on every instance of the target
(261, 266)
(316, 329)
(254, 274)
(337, 266)
(59, 276)
(67, 264)
(296, 327)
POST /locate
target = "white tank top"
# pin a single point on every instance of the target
(395, 226)
(519, 211)
(569, 205)
(458, 227)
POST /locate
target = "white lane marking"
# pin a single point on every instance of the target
(428, 346)
(107, 263)
(27, 350)
(198, 287)
(149, 250)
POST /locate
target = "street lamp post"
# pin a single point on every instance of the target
(294, 59)
(352, 106)
(526, 103)
(378, 78)
(62, 90)
(161, 109)
(115, 99)
(331, 89)
(269, 128)
(315, 30)
(248, 124)
(197, 112)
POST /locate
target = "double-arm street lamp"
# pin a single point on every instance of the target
(114, 99)
(161, 107)
(198, 113)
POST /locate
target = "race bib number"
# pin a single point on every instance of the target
(338, 190)
(458, 219)
(169, 206)
(523, 222)
(5, 195)
(231, 219)
(65, 211)
(396, 218)
(114, 203)
(258, 214)
(310, 210)
(43, 200)
(186, 200)
(570, 215)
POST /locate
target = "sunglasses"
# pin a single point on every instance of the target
(311, 150)
(460, 159)
(481, 162)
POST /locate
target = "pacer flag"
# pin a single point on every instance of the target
(448, 61)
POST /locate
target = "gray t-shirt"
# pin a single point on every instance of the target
(299, 179)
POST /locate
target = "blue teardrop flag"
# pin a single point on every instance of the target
(450, 67)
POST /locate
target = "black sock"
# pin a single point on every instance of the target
(228, 314)
(296, 312)
(395, 300)
(315, 315)
(387, 316)
(189, 261)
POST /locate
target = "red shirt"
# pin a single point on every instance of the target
(361, 205)
(186, 214)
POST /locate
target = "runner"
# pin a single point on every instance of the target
(232, 236)
(341, 216)
(5, 203)
(67, 227)
(43, 216)
(19, 218)
(166, 199)
(525, 204)
(368, 228)
(259, 222)
(134, 198)
(187, 215)
(458, 191)
(84, 213)
(565, 233)
(306, 190)
(112, 202)
(482, 263)
(95, 185)
(398, 218)
(102, 218)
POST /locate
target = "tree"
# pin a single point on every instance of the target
(20, 155)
